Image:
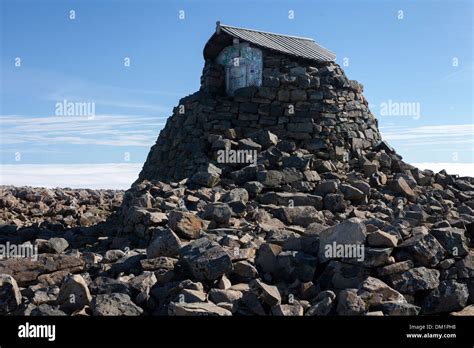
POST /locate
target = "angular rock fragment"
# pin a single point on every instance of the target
(268, 293)
(348, 235)
(452, 239)
(166, 243)
(74, 294)
(186, 225)
(350, 303)
(218, 212)
(382, 239)
(416, 279)
(114, 304)
(424, 249)
(57, 245)
(197, 309)
(302, 216)
(206, 259)
(450, 296)
(10, 297)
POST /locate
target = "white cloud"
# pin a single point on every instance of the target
(462, 169)
(94, 176)
(113, 130)
(430, 135)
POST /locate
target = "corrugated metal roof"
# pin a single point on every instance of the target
(301, 47)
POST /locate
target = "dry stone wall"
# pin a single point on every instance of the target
(315, 106)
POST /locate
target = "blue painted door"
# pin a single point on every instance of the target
(236, 77)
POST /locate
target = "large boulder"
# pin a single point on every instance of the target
(165, 243)
(186, 225)
(450, 296)
(348, 235)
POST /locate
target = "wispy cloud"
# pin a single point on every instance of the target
(95, 176)
(113, 130)
(464, 72)
(46, 85)
(110, 102)
(430, 135)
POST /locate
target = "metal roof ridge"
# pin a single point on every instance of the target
(268, 32)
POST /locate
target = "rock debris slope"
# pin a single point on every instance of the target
(279, 200)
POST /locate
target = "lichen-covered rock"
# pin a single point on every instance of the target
(187, 225)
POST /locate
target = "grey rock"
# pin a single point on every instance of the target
(339, 275)
(220, 295)
(218, 212)
(424, 249)
(57, 245)
(74, 294)
(205, 179)
(399, 309)
(113, 255)
(114, 304)
(416, 279)
(288, 310)
(397, 267)
(452, 239)
(465, 267)
(269, 294)
(326, 187)
(253, 188)
(267, 139)
(10, 297)
(166, 243)
(351, 193)
(196, 309)
(270, 178)
(350, 303)
(267, 257)
(244, 269)
(186, 225)
(300, 215)
(375, 292)
(191, 296)
(450, 296)
(334, 202)
(400, 186)
(324, 304)
(47, 310)
(349, 232)
(237, 194)
(382, 239)
(206, 260)
(295, 265)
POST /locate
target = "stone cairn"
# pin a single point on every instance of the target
(280, 200)
(257, 237)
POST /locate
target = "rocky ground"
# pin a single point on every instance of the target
(249, 240)
(56, 209)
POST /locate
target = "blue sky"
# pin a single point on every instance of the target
(398, 60)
